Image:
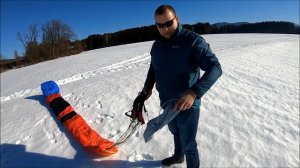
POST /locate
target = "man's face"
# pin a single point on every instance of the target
(163, 24)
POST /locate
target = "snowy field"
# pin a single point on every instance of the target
(249, 118)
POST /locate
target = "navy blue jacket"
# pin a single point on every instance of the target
(176, 63)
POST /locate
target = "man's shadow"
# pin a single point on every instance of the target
(82, 158)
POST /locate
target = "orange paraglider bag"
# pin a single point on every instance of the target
(74, 123)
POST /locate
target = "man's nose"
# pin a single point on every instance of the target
(166, 28)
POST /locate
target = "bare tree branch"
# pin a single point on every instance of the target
(28, 38)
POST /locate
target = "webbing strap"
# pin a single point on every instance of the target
(134, 125)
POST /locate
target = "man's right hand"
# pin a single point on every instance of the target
(137, 109)
(138, 105)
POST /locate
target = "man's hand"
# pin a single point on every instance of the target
(137, 109)
(186, 101)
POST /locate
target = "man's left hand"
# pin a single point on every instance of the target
(186, 101)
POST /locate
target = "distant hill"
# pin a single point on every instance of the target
(220, 24)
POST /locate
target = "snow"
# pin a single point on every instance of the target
(249, 118)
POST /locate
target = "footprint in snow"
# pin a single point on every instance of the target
(83, 105)
(101, 118)
(98, 104)
(105, 116)
(135, 157)
(113, 133)
(148, 156)
(138, 157)
(52, 136)
(137, 134)
(23, 140)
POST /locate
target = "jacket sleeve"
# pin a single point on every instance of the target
(208, 62)
(150, 80)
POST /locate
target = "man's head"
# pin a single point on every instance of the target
(166, 20)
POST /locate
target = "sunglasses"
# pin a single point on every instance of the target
(166, 24)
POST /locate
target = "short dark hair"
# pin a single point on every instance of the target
(163, 8)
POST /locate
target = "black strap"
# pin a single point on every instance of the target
(58, 105)
(68, 116)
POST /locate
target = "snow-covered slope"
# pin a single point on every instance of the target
(250, 117)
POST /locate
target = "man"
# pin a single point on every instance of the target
(176, 59)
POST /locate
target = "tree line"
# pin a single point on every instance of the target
(148, 33)
(58, 39)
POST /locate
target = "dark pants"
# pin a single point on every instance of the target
(184, 128)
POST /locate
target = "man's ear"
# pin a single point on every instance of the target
(177, 18)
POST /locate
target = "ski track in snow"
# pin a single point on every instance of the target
(138, 61)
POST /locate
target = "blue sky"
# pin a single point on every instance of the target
(88, 17)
